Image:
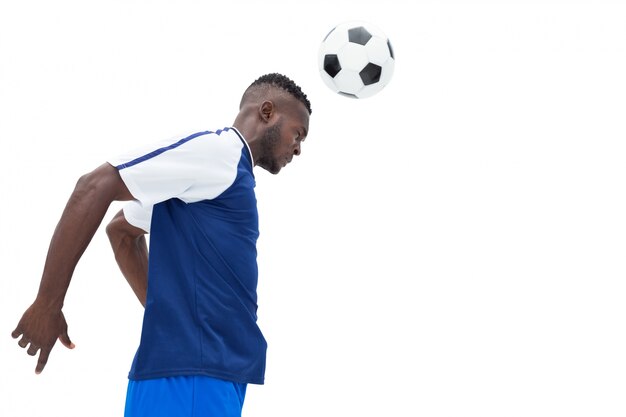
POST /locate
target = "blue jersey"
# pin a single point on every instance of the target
(196, 198)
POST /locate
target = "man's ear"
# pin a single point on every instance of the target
(266, 111)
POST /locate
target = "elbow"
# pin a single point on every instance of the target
(111, 232)
(115, 231)
(119, 231)
(114, 234)
(119, 239)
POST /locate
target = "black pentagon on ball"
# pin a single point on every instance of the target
(332, 65)
(359, 35)
(390, 49)
(371, 74)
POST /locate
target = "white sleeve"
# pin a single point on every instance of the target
(138, 215)
(198, 167)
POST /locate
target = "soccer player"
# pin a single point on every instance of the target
(200, 343)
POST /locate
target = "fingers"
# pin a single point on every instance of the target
(32, 349)
(43, 360)
(65, 339)
(23, 342)
(16, 333)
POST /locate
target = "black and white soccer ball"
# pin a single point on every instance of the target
(356, 59)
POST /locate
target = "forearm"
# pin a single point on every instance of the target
(131, 255)
(81, 217)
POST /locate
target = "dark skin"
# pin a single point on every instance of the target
(131, 253)
(274, 124)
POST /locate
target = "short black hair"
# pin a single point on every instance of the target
(285, 83)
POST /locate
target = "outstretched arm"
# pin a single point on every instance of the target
(131, 253)
(43, 322)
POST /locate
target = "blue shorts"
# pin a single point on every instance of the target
(184, 396)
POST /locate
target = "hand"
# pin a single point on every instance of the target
(40, 328)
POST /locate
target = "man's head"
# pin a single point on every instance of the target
(274, 119)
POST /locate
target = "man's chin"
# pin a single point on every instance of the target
(274, 169)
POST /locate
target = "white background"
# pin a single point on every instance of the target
(453, 246)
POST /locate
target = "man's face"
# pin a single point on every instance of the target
(282, 140)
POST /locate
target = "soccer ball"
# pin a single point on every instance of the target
(356, 59)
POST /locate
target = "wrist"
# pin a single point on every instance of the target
(48, 303)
